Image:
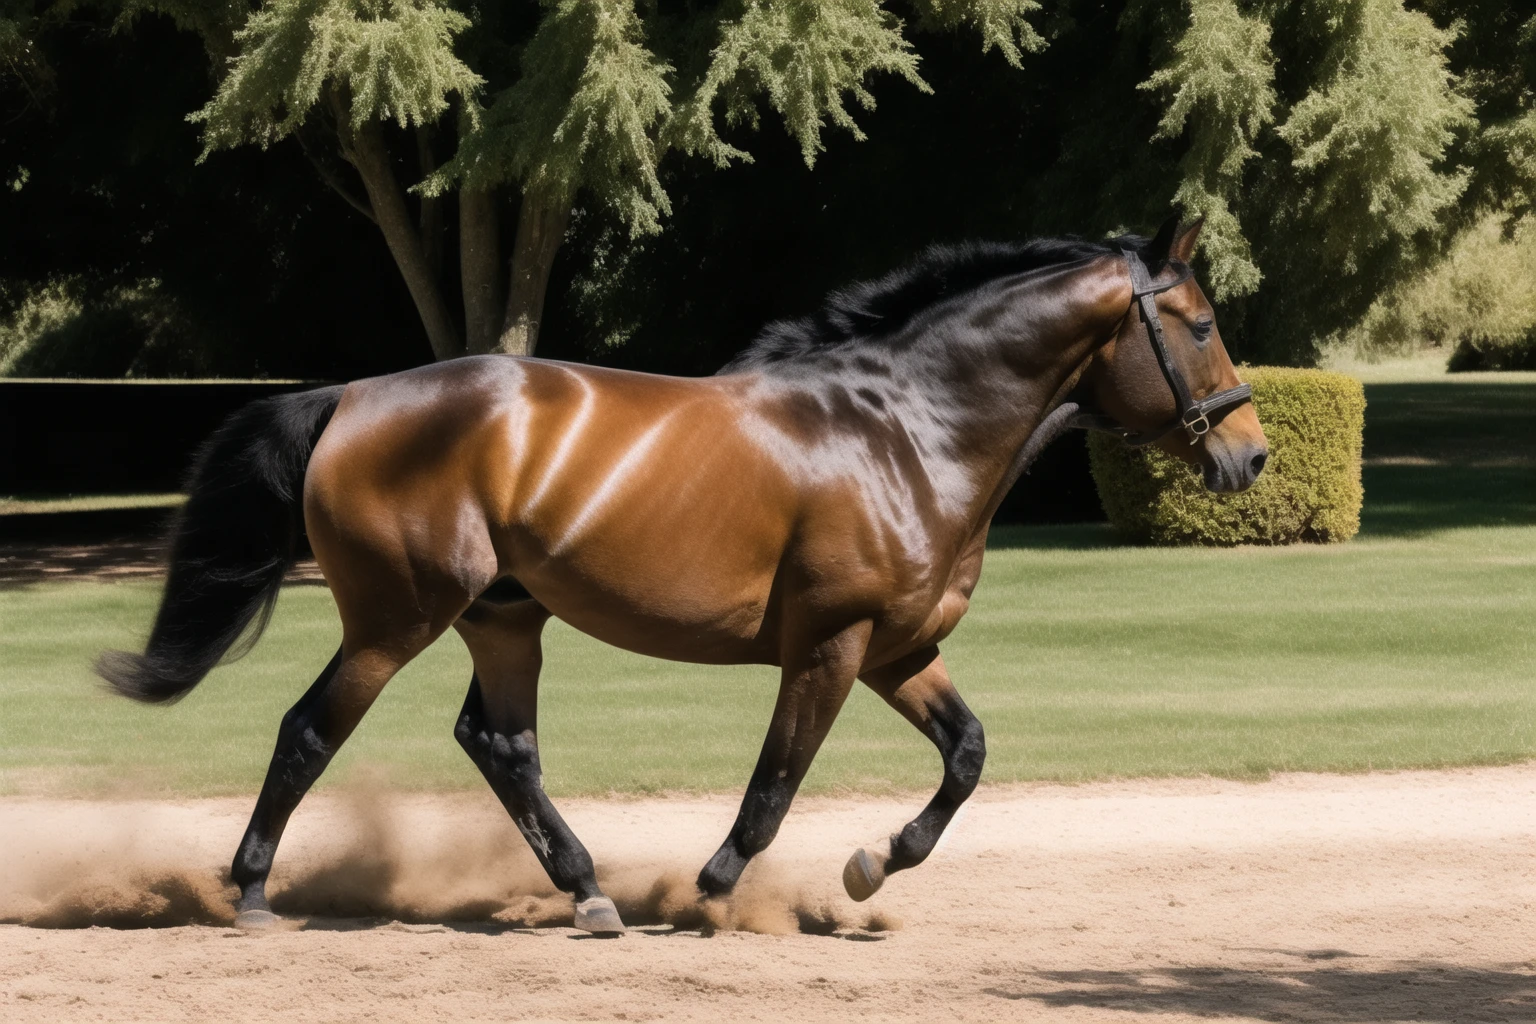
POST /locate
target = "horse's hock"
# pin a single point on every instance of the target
(1310, 489)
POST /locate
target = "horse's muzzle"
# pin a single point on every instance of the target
(1230, 470)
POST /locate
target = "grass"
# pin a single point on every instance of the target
(1410, 647)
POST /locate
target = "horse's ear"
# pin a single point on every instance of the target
(1183, 248)
(1161, 247)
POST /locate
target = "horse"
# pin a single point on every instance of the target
(821, 505)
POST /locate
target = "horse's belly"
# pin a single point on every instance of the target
(664, 592)
(665, 623)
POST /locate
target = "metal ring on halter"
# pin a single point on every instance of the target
(1193, 415)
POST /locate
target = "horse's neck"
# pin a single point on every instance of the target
(998, 369)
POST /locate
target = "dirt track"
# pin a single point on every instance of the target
(1387, 897)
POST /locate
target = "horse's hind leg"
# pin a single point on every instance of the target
(498, 729)
(811, 692)
(919, 688)
(311, 733)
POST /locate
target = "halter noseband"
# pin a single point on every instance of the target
(1194, 414)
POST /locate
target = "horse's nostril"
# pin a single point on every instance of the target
(1258, 462)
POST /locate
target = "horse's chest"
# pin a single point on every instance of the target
(928, 614)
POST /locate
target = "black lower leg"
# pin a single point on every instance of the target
(304, 748)
(769, 793)
(958, 735)
(511, 765)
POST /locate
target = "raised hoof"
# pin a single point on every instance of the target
(599, 916)
(863, 875)
(256, 920)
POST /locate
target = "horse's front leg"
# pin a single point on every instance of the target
(816, 680)
(498, 729)
(919, 687)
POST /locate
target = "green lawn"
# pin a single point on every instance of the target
(1412, 646)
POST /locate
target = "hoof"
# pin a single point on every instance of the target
(863, 875)
(256, 920)
(599, 916)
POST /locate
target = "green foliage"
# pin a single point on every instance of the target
(802, 55)
(1376, 128)
(1495, 54)
(1336, 148)
(1320, 139)
(21, 60)
(1002, 23)
(594, 106)
(391, 59)
(1479, 301)
(1309, 490)
(73, 327)
(585, 113)
(1222, 85)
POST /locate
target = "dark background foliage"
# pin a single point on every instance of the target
(264, 271)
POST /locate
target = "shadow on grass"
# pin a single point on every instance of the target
(1409, 501)
(1446, 454)
(1056, 537)
(1425, 991)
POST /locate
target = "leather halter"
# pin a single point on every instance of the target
(1194, 414)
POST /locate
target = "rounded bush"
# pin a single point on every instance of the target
(1309, 490)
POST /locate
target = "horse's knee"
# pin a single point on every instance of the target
(514, 758)
(518, 756)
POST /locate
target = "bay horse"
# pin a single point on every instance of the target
(821, 505)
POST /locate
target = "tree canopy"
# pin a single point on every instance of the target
(663, 175)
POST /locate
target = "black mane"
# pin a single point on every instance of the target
(878, 308)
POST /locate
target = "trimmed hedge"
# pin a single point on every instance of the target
(1309, 490)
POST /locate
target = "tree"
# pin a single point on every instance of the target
(1339, 176)
(589, 96)
(1336, 148)
(1333, 146)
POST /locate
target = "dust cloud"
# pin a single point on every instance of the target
(365, 856)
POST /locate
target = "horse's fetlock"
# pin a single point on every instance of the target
(753, 837)
(253, 862)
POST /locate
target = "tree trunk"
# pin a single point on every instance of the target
(432, 243)
(480, 269)
(368, 155)
(540, 229)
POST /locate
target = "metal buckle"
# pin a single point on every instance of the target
(1197, 427)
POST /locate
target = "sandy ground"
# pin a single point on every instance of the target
(1406, 896)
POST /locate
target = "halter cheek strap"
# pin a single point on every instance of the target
(1194, 414)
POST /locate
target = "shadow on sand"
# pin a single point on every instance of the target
(1422, 991)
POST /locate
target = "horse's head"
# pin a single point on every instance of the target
(1136, 379)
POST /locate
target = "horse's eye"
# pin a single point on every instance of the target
(1202, 330)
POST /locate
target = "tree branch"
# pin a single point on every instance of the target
(324, 164)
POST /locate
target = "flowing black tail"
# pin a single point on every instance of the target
(235, 538)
